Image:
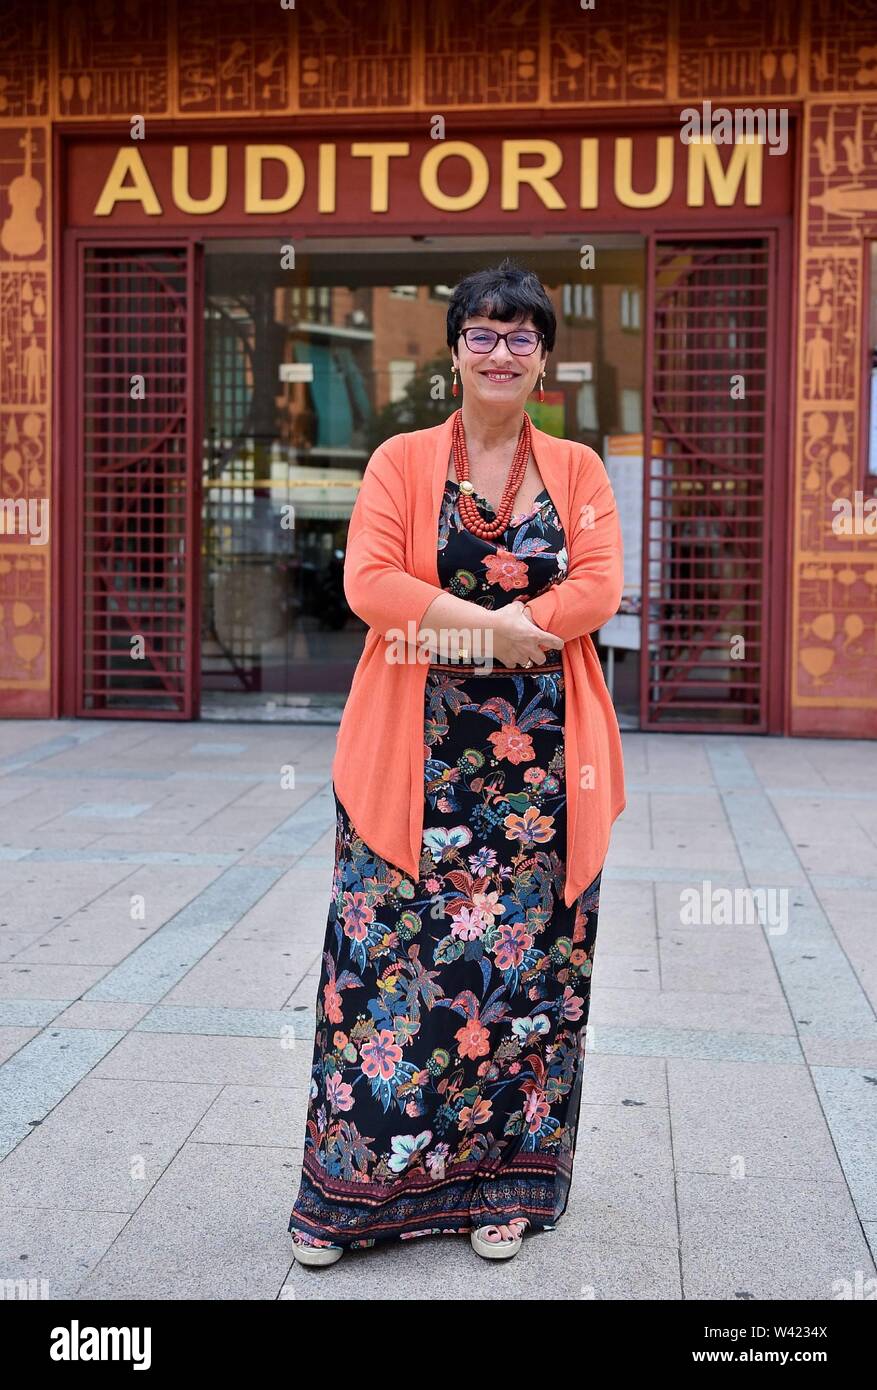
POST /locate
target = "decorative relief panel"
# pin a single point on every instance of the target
(111, 58)
(623, 57)
(24, 619)
(843, 46)
(25, 387)
(356, 55)
(835, 613)
(235, 57)
(24, 59)
(837, 601)
(841, 157)
(485, 53)
(730, 50)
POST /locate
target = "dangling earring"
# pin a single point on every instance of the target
(542, 387)
(455, 390)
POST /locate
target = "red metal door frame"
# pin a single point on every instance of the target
(782, 230)
(777, 490)
(69, 477)
(776, 494)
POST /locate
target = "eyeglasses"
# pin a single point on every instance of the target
(521, 341)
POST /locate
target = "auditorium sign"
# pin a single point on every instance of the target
(413, 183)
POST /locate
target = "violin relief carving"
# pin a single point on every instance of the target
(21, 233)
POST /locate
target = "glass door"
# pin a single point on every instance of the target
(308, 368)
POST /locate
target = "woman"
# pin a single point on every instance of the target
(476, 776)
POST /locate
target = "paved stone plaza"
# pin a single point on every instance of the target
(164, 901)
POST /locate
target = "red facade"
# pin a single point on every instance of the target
(305, 125)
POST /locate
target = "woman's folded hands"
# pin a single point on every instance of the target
(517, 639)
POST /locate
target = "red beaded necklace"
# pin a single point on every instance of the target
(469, 514)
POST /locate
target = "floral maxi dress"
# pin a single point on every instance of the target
(451, 1013)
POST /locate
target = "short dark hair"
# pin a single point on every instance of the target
(505, 292)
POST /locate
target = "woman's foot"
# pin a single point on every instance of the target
(308, 1251)
(499, 1242)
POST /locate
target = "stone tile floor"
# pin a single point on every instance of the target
(163, 905)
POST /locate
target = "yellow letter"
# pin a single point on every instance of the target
(379, 152)
(254, 157)
(703, 155)
(537, 176)
(218, 180)
(663, 185)
(326, 179)
(589, 182)
(128, 161)
(479, 176)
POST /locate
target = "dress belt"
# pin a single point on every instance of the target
(553, 662)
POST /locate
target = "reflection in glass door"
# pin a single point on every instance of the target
(307, 370)
(284, 452)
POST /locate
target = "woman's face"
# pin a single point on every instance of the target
(498, 377)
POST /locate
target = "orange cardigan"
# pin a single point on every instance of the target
(391, 578)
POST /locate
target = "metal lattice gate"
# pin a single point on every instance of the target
(138, 487)
(706, 589)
